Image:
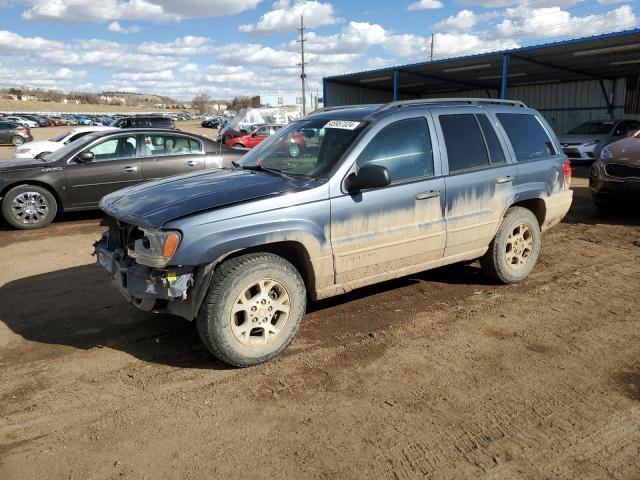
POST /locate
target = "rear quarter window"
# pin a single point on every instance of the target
(529, 139)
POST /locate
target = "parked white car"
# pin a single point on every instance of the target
(23, 121)
(42, 148)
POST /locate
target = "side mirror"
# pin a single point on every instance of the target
(369, 176)
(254, 134)
(85, 157)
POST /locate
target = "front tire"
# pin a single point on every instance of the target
(29, 207)
(253, 309)
(238, 145)
(515, 249)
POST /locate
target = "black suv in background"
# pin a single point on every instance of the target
(143, 122)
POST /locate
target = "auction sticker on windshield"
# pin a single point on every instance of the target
(343, 124)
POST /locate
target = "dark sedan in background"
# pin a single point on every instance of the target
(78, 175)
(12, 133)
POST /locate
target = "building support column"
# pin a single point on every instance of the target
(505, 75)
(606, 97)
(395, 85)
(324, 92)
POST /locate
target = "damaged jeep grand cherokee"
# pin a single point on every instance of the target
(378, 192)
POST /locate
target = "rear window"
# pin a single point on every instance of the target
(464, 141)
(529, 140)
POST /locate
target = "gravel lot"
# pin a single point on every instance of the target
(440, 375)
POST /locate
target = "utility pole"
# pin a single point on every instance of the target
(432, 39)
(302, 64)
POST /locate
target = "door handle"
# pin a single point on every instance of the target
(129, 169)
(192, 163)
(507, 179)
(429, 194)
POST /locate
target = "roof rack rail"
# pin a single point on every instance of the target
(453, 101)
(343, 107)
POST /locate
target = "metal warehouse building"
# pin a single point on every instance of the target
(569, 82)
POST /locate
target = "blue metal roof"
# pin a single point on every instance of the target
(529, 49)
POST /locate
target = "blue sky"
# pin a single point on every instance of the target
(244, 47)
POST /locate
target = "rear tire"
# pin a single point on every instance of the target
(42, 155)
(29, 207)
(514, 250)
(253, 309)
(17, 140)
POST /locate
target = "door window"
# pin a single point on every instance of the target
(496, 153)
(529, 140)
(464, 141)
(403, 147)
(263, 131)
(115, 149)
(161, 145)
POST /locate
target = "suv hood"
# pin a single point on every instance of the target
(153, 204)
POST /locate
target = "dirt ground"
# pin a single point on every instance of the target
(441, 375)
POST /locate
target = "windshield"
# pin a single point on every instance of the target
(69, 147)
(595, 128)
(308, 148)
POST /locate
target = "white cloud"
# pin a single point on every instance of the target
(285, 17)
(425, 5)
(185, 46)
(356, 37)
(116, 27)
(65, 73)
(150, 10)
(462, 20)
(555, 22)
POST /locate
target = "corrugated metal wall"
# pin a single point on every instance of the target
(340, 94)
(564, 105)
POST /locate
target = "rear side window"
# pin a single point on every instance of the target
(496, 153)
(529, 140)
(464, 141)
(403, 147)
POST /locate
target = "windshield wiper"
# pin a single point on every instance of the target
(260, 168)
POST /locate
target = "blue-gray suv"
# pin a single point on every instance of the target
(377, 192)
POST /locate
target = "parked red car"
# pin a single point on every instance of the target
(250, 140)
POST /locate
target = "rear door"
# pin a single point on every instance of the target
(537, 154)
(481, 180)
(164, 155)
(5, 136)
(116, 165)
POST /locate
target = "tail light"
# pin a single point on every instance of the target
(566, 169)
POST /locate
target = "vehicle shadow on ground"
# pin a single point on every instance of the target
(79, 307)
(61, 219)
(584, 211)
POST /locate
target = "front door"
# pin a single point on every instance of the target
(257, 136)
(481, 183)
(164, 155)
(383, 233)
(115, 166)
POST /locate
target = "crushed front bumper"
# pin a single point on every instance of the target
(144, 286)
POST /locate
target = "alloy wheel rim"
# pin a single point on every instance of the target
(30, 208)
(260, 312)
(519, 246)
